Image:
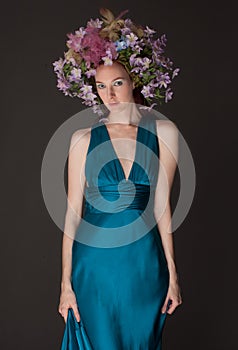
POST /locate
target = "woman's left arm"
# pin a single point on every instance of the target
(167, 133)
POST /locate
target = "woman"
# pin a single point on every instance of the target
(119, 294)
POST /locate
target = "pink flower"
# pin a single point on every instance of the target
(110, 46)
(74, 42)
(94, 47)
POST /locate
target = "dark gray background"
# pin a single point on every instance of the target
(201, 41)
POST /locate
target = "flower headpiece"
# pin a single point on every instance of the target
(104, 41)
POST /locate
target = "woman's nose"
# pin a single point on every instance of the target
(111, 92)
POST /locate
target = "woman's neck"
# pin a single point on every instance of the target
(127, 115)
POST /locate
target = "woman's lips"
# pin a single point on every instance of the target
(113, 103)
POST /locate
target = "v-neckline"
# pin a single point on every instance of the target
(116, 156)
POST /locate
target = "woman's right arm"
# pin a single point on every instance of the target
(76, 183)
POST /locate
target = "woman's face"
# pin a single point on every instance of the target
(114, 85)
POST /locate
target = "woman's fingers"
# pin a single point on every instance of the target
(173, 305)
(76, 312)
(68, 300)
(163, 310)
(175, 302)
(64, 313)
(65, 310)
(173, 298)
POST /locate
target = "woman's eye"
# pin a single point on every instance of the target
(118, 82)
(100, 86)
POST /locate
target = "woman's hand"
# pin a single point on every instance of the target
(68, 300)
(173, 296)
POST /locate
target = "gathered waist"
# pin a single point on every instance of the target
(115, 198)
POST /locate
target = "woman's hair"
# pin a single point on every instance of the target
(139, 98)
(137, 95)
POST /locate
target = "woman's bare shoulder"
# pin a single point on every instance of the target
(165, 124)
(80, 138)
(166, 129)
(168, 137)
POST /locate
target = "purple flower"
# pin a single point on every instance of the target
(126, 30)
(88, 48)
(137, 49)
(75, 75)
(73, 61)
(58, 65)
(147, 91)
(63, 85)
(157, 59)
(157, 47)
(131, 39)
(164, 80)
(137, 61)
(148, 31)
(145, 63)
(136, 70)
(175, 72)
(128, 22)
(86, 89)
(87, 95)
(168, 95)
(90, 96)
(132, 59)
(90, 73)
(163, 40)
(165, 62)
(154, 83)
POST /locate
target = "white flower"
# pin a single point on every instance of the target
(107, 61)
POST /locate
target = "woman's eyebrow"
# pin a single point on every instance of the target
(112, 80)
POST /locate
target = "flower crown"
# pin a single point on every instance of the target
(109, 39)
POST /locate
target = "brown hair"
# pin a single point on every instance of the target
(139, 97)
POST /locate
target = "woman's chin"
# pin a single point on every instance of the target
(113, 107)
(118, 107)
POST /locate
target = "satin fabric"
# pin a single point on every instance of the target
(75, 335)
(120, 290)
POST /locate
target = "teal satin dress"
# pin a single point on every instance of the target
(119, 270)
